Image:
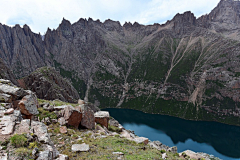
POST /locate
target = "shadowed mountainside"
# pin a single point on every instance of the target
(187, 67)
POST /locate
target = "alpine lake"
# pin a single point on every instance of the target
(220, 140)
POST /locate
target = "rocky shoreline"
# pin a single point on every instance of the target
(32, 128)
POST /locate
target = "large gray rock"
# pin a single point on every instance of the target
(88, 119)
(80, 147)
(29, 104)
(72, 116)
(40, 129)
(12, 90)
(8, 122)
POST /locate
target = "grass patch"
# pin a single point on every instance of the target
(23, 152)
(43, 114)
(18, 140)
(114, 129)
(56, 102)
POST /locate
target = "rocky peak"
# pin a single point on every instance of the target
(127, 25)
(185, 19)
(112, 25)
(182, 22)
(227, 11)
(226, 16)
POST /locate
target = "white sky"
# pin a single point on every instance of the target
(41, 14)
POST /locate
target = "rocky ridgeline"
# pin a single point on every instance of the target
(46, 127)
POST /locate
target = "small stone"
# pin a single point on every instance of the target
(61, 121)
(54, 120)
(9, 111)
(80, 102)
(80, 147)
(164, 156)
(118, 153)
(59, 108)
(63, 157)
(35, 152)
(63, 129)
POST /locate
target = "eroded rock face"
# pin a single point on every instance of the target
(88, 119)
(72, 116)
(48, 84)
(102, 117)
(28, 105)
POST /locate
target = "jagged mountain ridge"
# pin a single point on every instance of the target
(185, 61)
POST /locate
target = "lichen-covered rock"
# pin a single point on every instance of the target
(40, 129)
(28, 105)
(102, 117)
(72, 116)
(88, 119)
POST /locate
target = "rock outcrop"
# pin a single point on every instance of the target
(48, 84)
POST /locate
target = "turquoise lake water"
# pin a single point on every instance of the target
(214, 138)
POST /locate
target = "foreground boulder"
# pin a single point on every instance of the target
(102, 117)
(72, 116)
(28, 105)
(8, 122)
(88, 119)
(6, 87)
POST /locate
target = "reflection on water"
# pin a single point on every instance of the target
(221, 140)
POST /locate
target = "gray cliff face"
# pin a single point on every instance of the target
(188, 61)
(22, 50)
(48, 84)
(224, 19)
